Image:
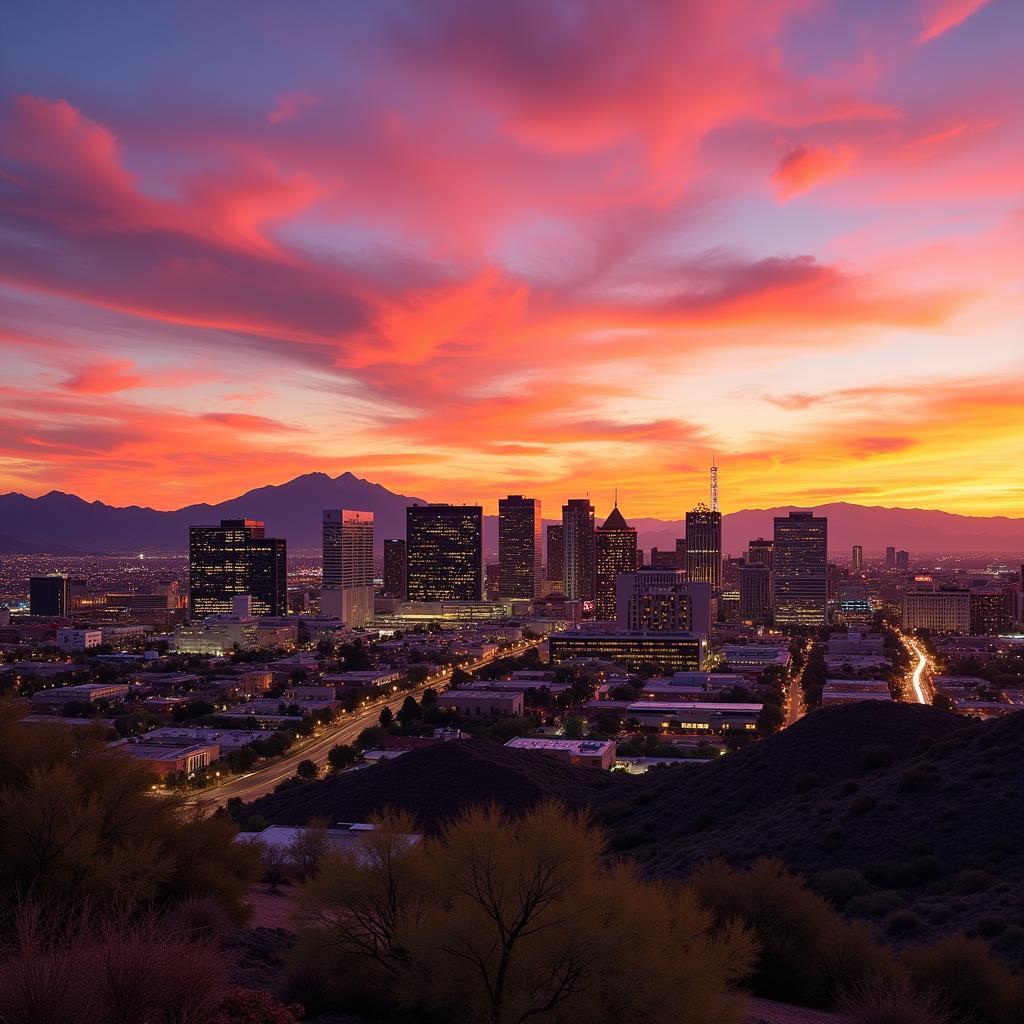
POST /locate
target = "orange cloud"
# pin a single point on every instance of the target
(806, 166)
(105, 378)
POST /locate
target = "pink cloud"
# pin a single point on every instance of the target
(290, 104)
(939, 16)
(105, 378)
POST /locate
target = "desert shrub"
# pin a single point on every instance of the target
(901, 923)
(915, 780)
(807, 952)
(989, 926)
(875, 904)
(970, 882)
(834, 839)
(891, 874)
(255, 823)
(861, 805)
(503, 919)
(95, 970)
(248, 1006)
(840, 885)
(870, 759)
(198, 917)
(806, 781)
(927, 866)
(963, 972)
(892, 1000)
(78, 823)
(307, 851)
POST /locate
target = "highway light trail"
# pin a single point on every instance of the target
(922, 664)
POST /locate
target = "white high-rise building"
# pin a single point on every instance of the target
(348, 567)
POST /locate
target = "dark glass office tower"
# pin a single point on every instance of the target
(236, 558)
(394, 568)
(615, 552)
(444, 552)
(800, 570)
(519, 553)
(49, 595)
(556, 554)
(578, 549)
(704, 547)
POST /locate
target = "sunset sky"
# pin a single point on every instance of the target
(463, 248)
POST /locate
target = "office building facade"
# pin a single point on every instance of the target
(444, 552)
(555, 554)
(940, 609)
(520, 562)
(668, 652)
(615, 552)
(662, 601)
(800, 570)
(50, 595)
(755, 586)
(394, 568)
(347, 591)
(578, 550)
(857, 559)
(704, 546)
(232, 559)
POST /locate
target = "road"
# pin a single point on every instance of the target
(918, 685)
(795, 699)
(345, 729)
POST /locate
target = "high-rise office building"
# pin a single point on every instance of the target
(348, 566)
(936, 607)
(519, 547)
(857, 561)
(759, 552)
(664, 559)
(556, 554)
(902, 560)
(50, 595)
(444, 552)
(615, 552)
(662, 601)
(578, 549)
(704, 546)
(681, 553)
(236, 558)
(394, 568)
(993, 611)
(800, 570)
(890, 558)
(755, 591)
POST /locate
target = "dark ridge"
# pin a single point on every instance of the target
(434, 784)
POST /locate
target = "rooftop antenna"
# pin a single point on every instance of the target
(616, 497)
(714, 485)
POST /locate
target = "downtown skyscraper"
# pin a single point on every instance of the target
(578, 549)
(394, 568)
(615, 552)
(800, 570)
(234, 559)
(704, 546)
(520, 561)
(347, 591)
(444, 552)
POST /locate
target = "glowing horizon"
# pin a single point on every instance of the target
(468, 249)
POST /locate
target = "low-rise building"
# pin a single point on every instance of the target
(361, 679)
(690, 685)
(695, 716)
(78, 639)
(86, 693)
(164, 759)
(852, 691)
(226, 739)
(588, 753)
(674, 652)
(482, 702)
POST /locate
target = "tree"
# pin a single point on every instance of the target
(386, 717)
(308, 849)
(572, 728)
(341, 756)
(371, 738)
(429, 698)
(307, 770)
(460, 677)
(409, 711)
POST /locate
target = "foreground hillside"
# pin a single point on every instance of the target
(900, 814)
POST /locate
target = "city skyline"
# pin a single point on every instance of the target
(415, 246)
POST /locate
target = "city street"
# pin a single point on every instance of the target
(346, 729)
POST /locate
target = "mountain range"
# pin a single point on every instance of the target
(59, 523)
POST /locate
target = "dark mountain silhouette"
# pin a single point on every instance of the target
(64, 523)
